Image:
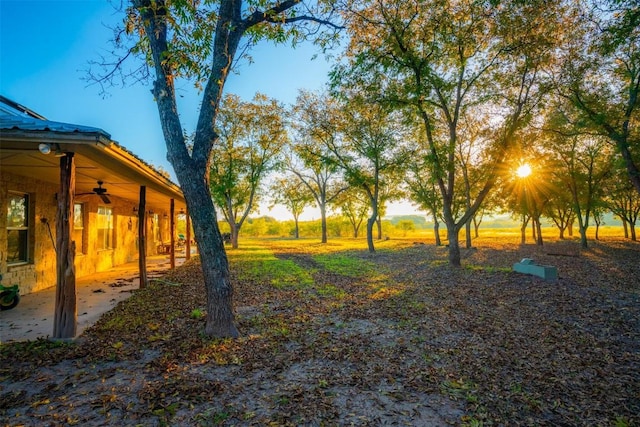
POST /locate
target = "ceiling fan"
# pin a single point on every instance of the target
(100, 191)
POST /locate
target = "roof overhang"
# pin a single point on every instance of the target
(97, 158)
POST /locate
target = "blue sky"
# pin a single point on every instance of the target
(45, 46)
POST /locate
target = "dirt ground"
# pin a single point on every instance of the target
(396, 338)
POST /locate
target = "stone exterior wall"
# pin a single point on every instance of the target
(40, 271)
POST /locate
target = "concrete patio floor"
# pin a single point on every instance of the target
(96, 294)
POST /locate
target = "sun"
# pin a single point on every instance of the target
(523, 171)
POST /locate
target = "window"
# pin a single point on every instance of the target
(156, 228)
(78, 227)
(17, 228)
(105, 227)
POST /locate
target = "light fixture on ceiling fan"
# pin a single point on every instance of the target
(100, 191)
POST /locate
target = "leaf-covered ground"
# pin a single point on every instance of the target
(333, 335)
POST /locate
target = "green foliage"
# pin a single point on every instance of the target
(191, 28)
(418, 221)
(460, 389)
(345, 265)
(197, 313)
(213, 416)
(291, 192)
(251, 137)
(331, 291)
(260, 264)
(621, 422)
(264, 227)
(406, 225)
(466, 79)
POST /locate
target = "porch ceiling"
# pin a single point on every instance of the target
(96, 159)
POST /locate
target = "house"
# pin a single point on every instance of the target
(110, 185)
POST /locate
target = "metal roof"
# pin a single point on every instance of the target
(98, 157)
(14, 116)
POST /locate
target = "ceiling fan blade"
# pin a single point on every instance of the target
(104, 198)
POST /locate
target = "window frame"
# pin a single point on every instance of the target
(24, 232)
(105, 239)
(80, 245)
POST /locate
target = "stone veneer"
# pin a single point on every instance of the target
(40, 272)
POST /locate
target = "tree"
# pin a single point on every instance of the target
(584, 164)
(309, 161)
(199, 42)
(528, 187)
(406, 225)
(354, 204)
(369, 149)
(443, 61)
(470, 165)
(623, 201)
(392, 190)
(251, 138)
(560, 208)
(532, 196)
(291, 192)
(423, 191)
(600, 75)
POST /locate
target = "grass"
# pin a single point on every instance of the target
(346, 265)
(258, 263)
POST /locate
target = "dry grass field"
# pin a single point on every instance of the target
(334, 335)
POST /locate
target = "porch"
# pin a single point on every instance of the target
(96, 295)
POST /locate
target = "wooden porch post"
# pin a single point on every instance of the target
(66, 313)
(142, 236)
(187, 246)
(172, 227)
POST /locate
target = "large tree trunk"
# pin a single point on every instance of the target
(187, 245)
(215, 266)
(370, 223)
(583, 235)
(323, 220)
(539, 241)
(476, 226)
(436, 230)
(296, 232)
(632, 168)
(379, 223)
(454, 245)
(632, 228)
(467, 229)
(234, 228)
(523, 229)
(234, 235)
(192, 165)
(66, 314)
